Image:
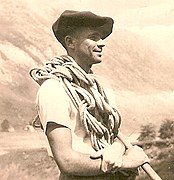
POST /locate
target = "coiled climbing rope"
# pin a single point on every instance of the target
(100, 120)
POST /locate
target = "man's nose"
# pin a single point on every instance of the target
(100, 43)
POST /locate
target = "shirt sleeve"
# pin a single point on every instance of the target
(53, 104)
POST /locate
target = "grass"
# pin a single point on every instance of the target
(28, 165)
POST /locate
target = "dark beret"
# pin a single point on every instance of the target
(77, 19)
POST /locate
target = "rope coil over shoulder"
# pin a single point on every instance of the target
(99, 119)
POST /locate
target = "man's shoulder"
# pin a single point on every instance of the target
(50, 82)
(51, 86)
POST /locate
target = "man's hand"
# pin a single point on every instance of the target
(111, 157)
(114, 157)
(134, 157)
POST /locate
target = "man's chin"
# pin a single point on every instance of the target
(97, 61)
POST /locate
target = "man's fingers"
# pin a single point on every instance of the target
(110, 165)
(104, 166)
(107, 166)
(134, 158)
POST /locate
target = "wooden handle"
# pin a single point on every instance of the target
(146, 167)
(150, 172)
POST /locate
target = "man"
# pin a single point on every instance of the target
(75, 113)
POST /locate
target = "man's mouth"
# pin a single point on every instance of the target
(98, 52)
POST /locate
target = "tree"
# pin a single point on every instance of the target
(147, 132)
(166, 129)
(6, 126)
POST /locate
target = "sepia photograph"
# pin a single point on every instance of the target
(87, 90)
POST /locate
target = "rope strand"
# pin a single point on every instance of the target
(99, 119)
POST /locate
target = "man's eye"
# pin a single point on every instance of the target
(95, 38)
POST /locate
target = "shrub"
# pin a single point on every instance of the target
(147, 132)
(166, 129)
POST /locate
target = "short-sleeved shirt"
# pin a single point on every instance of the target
(55, 105)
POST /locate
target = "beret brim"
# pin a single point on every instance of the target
(82, 19)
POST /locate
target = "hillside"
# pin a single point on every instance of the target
(137, 66)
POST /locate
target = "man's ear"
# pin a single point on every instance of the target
(69, 41)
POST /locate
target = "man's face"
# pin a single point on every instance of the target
(89, 46)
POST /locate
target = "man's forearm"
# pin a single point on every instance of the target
(69, 161)
(78, 164)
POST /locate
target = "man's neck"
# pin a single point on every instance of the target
(82, 64)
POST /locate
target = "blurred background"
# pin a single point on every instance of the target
(138, 63)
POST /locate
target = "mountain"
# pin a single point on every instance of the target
(138, 66)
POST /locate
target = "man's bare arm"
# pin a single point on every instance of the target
(70, 162)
